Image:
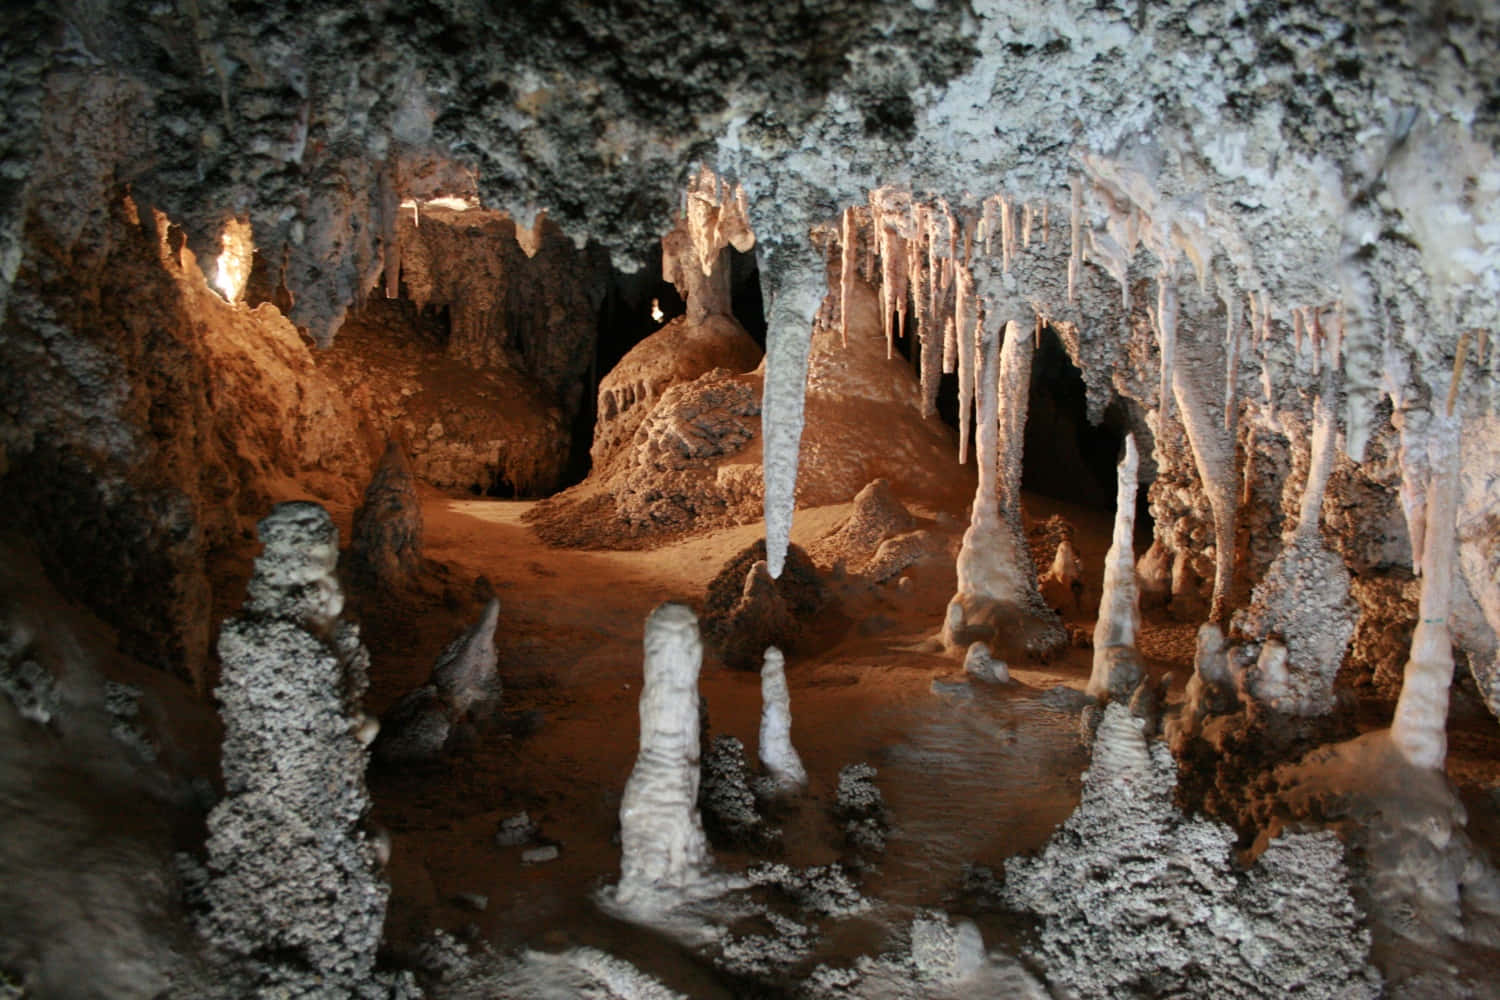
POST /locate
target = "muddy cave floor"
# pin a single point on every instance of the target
(970, 773)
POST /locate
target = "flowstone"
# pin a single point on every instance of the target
(1136, 899)
(294, 879)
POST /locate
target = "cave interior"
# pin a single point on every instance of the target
(788, 499)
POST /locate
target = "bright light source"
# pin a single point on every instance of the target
(232, 268)
(656, 312)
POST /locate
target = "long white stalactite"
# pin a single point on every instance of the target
(793, 276)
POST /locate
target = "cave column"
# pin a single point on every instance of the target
(1419, 730)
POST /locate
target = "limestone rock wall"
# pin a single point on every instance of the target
(532, 309)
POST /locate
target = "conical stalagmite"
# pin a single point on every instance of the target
(1117, 664)
(777, 754)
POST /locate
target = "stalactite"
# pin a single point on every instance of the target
(793, 276)
(1213, 455)
(1015, 385)
(1166, 333)
(890, 211)
(988, 210)
(1075, 252)
(848, 270)
(964, 339)
(1232, 353)
(390, 229)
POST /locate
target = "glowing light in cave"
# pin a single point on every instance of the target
(232, 267)
(656, 312)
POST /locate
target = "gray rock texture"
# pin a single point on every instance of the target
(1135, 899)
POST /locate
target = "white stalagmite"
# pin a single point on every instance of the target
(983, 570)
(1117, 665)
(1419, 730)
(793, 275)
(777, 754)
(664, 854)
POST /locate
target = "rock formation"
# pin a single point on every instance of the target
(386, 548)
(664, 857)
(294, 879)
(745, 611)
(1117, 665)
(997, 597)
(1130, 892)
(777, 755)
(423, 724)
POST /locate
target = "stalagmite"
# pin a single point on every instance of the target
(1419, 730)
(386, 549)
(983, 572)
(777, 754)
(664, 857)
(1301, 610)
(1117, 665)
(793, 277)
(292, 875)
(997, 588)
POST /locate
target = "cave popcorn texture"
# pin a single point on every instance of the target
(292, 875)
(1130, 891)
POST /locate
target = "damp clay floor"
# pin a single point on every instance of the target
(970, 773)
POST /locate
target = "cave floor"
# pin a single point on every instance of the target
(970, 773)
